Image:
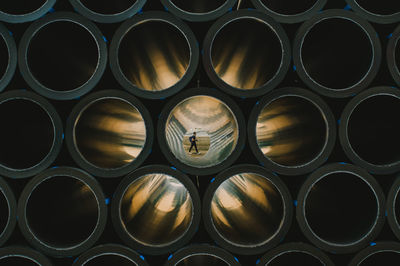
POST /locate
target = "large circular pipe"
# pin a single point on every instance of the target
(156, 209)
(393, 208)
(62, 56)
(300, 253)
(393, 55)
(368, 134)
(109, 11)
(62, 211)
(22, 256)
(198, 10)
(31, 134)
(110, 254)
(8, 57)
(201, 254)
(154, 55)
(8, 211)
(247, 209)
(287, 11)
(246, 53)
(340, 208)
(337, 53)
(380, 253)
(291, 131)
(384, 12)
(109, 133)
(19, 11)
(219, 125)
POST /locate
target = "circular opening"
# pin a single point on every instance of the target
(17, 260)
(20, 7)
(372, 131)
(108, 7)
(156, 210)
(4, 212)
(289, 257)
(110, 259)
(291, 131)
(110, 133)
(154, 55)
(63, 55)
(5, 57)
(247, 209)
(389, 257)
(198, 6)
(288, 7)
(337, 53)
(334, 205)
(210, 116)
(27, 133)
(202, 259)
(62, 211)
(385, 7)
(246, 53)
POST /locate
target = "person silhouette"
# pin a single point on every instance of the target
(193, 140)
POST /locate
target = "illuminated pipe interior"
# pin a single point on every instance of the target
(110, 259)
(4, 212)
(110, 133)
(386, 257)
(20, 7)
(198, 6)
(287, 258)
(379, 7)
(4, 57)
(108, 7)
(17, 260)
(27, 133)
(287, 7)
(291, 131)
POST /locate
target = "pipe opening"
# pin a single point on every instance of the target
(63, 55)
(27, 133)
(154, 55)
(291, 131)
(246, 53)
(289, 7)
(216, 130)
(62, 211)
(387, 257)
(198, 6)
(109, 259)
(301, 259)
(17, 260)
(372, 132)
(334, 205)
(4, 212)
(386, 7)
(5, 57)
(21, 7)
(337, 53)
(202, 259)
(108, 7)
(247, 209)
(110, 133)
(156, 210)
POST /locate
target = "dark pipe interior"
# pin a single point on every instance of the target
(198, 6)
(247, 209)
(110, 133)
(200, 260)
(246, 53)
(154, 55)
(335, 205)
(20, 7)
(301, 259)
(4, 57)
(26, 135)
(4, 212)
(62, 211)
(16, 260)
(288, 7)
(62, 55)
(110, 260)
(108, 7)
(373, 132)
(382, 7)
(291, 131)
(387, 258)
(337, 53)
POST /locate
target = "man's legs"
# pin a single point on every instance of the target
(191, 146)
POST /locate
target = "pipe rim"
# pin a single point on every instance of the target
(110, 249)
(25, 252)
(57, 127)
(393, 221)
(172, 245)
(318, 175)
(371, 250)
(82, 106)
(12, 57)
(69, 17)
(373, 17)
(326, 113)
(107, 18)
(273, 26)
(12, 211)
(202, 249)
(73, 173)
(391, 55)
(289, 19)
(272, 240)
(343, 130)
(365, 26)
(234, 108)
(172, 21)
(198, 17)
(36, 14)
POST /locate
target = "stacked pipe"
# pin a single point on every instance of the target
(212, 132)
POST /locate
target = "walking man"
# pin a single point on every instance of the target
(193, 140)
